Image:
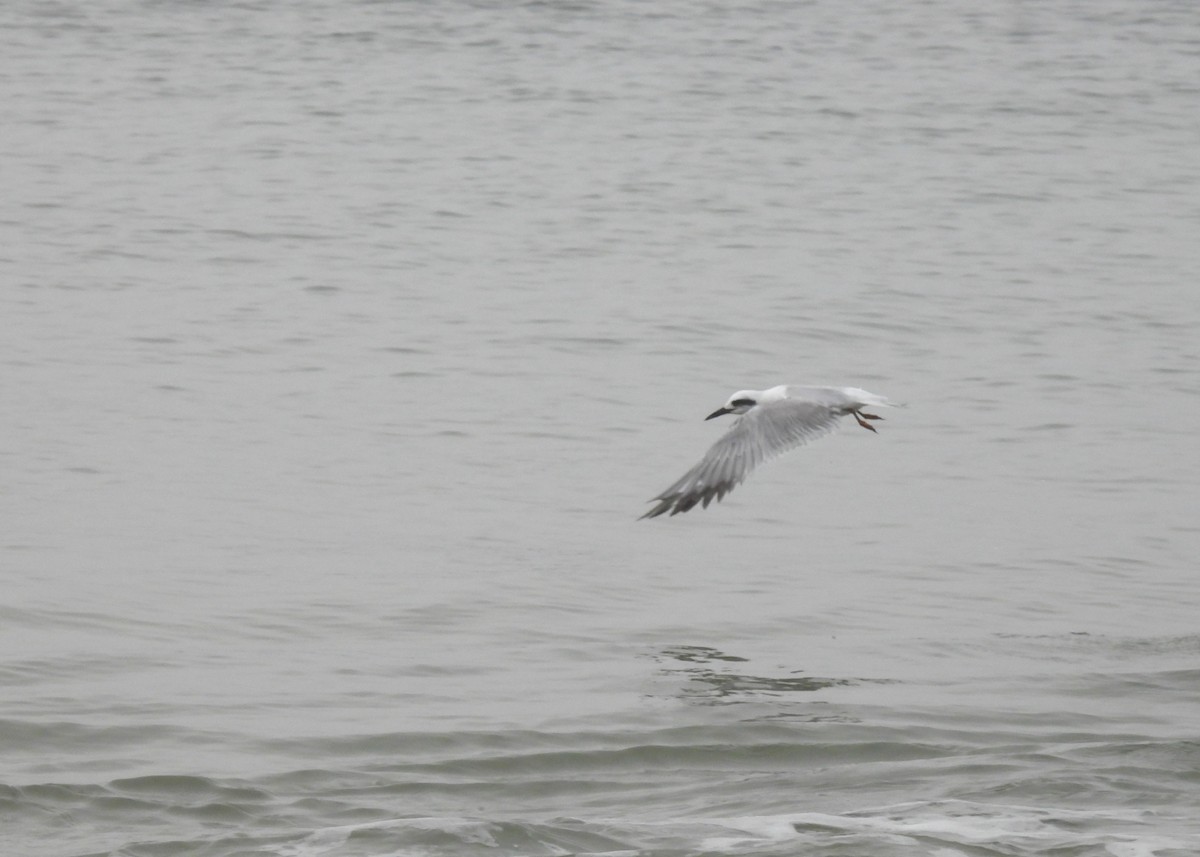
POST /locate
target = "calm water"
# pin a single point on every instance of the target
(343, 343)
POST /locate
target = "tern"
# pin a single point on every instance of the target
(769, 422)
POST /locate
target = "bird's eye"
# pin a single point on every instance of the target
(739, 403)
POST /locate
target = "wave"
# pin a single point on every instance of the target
(944, 828)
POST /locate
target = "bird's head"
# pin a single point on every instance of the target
(739, 403)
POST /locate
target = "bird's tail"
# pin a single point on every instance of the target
(865, 397)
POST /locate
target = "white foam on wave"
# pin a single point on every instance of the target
(328, 840)
(949, 828)
(945, 825)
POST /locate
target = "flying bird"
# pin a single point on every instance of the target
(769, 422)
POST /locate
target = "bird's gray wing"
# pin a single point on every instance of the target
(758, 435)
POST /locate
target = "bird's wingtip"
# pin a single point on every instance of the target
(657, 510)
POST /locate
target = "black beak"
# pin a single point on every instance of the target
(720, 412)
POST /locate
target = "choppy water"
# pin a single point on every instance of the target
(344, 342)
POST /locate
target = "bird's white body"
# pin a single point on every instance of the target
(769, 422)
(834, 396)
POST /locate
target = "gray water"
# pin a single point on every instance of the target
(344, 342)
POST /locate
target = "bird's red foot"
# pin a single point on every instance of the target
(860, 416)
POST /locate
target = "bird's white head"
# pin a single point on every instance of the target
(739, 403)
